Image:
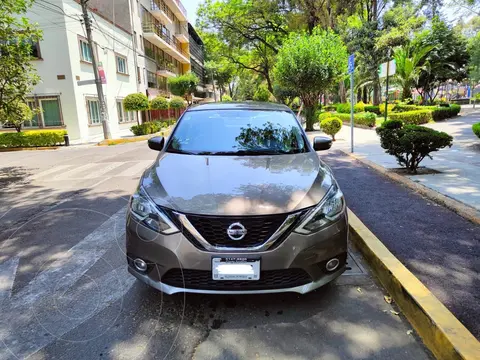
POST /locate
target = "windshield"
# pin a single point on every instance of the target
(237, 132)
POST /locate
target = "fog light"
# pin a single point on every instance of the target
(332, 264)
(140, 265)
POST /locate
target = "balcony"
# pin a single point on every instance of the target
(178, 9)
(181, 33)
(153, 33)
(161, 11)
(166, 70)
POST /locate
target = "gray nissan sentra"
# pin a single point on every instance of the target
(237, 202)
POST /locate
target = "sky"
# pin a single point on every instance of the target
(191, 6)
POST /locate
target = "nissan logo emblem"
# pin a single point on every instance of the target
(236, 231)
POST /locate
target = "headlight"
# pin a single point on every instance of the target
(327, 211)
(147, 212)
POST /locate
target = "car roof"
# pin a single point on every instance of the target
(245, 105)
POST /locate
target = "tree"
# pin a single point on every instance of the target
(474, 64)
(19, 113)
(311, 63)
(159, 103)
(17, 74)
(447, 61)
(285, 95)
(136, 102)
(262, 94)
(251, 32)
(184, 85)
(408, 59)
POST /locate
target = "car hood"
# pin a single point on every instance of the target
(237, 185)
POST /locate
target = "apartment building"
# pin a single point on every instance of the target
(165, 43)
(139, 44)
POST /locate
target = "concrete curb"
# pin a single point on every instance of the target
(458, 207)
(440, 331)
(129, 140)
(29, 148)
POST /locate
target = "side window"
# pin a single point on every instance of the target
(85, 51)
(93, 108)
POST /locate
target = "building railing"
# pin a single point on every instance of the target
(181, 29)
(165, 66)
(157, 5)
(172, 41)
(180, 5)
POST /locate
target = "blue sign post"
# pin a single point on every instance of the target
(351, 70)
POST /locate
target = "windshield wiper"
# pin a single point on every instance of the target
(249, 152)
(176, 151)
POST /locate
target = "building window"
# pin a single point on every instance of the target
(85, 51)
(125, 116)
(121, 64)
(151, 79)
(35, 50)
(50, 108)
(139, 77)
(93, 108)
(34, 121)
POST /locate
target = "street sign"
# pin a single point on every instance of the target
(392, 68)
(86, 82)
(101, 73)
(351, 64)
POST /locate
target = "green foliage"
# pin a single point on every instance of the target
(344, 108)
(177, 103)
(416, 117)
(17, 73)
(147, 128)
(19, 113)
(446, 61)
(136, 102)
(410, 144)
(284, 95)
(401, 107)
(331, 126)
(455, 109)
(183, 85)
(365, 119)
(324, 115)
(159, 103)
(442, 113)
(373, 109)
(381, 108)
(476, 129)
(227, 98)
(474, 63)
(32, 138)
(330, 107)
(408, 60)
(359, 107)
(262, 94)
(311, 64)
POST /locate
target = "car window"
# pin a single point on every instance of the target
(238, 132)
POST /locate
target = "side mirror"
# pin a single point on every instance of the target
(321, 143)
(156, 143)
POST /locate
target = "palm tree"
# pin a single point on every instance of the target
(408, 60)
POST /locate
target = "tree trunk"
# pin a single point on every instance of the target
(310, 116)
(359, 95)
(365, 95)
(376, 93)
(406, 93)
(342, 93)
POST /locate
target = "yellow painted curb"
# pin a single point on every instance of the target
(458, 207)
(111, 142)
(29, 148)
(440, 331)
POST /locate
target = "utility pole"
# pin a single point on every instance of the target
(98, 81)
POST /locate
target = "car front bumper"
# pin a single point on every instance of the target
(307, 253)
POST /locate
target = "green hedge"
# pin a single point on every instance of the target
(373, 109)
(325, 115)
(476, 129)
(381, 108)
(416, 117)
(366, 118)
(32, 138)
(150, 127)
(404, 108)
(343, 108)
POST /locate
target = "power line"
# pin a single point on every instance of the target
(60, 11)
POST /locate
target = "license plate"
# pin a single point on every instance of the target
(235, 269)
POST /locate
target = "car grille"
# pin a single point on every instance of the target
(269, 279)
(259, 229)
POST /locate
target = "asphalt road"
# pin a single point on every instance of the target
(441, 248)
(65, 292)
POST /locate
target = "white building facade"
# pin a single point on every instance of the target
(121, 31)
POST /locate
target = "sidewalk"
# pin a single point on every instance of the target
(459, 166)
(438, 246)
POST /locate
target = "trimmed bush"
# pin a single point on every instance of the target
(330, 107)
(136, 102)
(343, 108)
(32, 138)
(404, 107)
(324, 115)
(366, 119)
(159, 103)
(455, 109)
(177, 102)
(416, 117)
(331, 126)
(476, 129)
(410, 144)
(373, 109)
(150, 127)
(381, 108)
(359, 107)
(227, 98)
